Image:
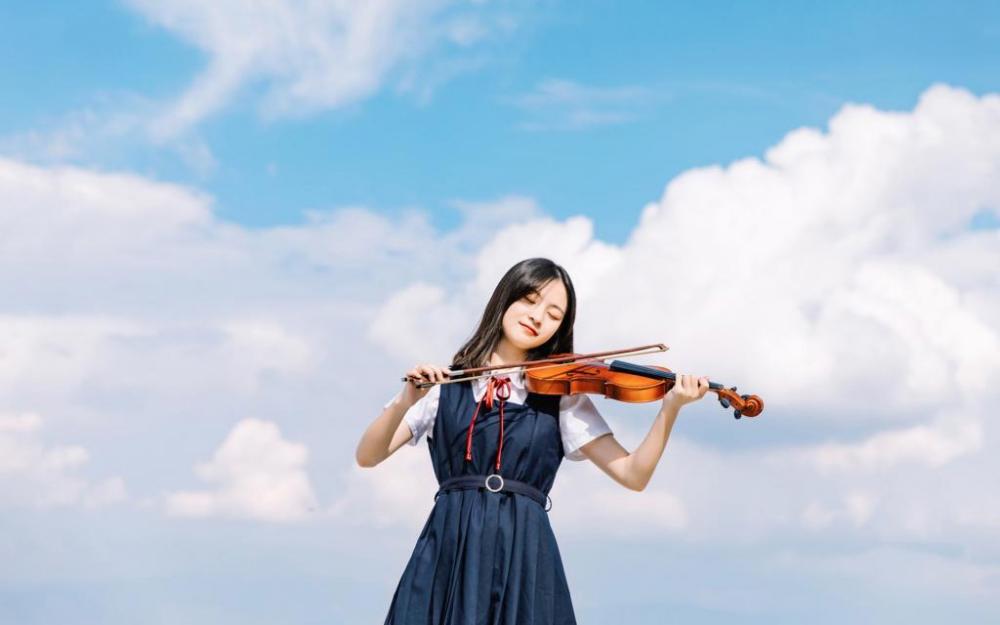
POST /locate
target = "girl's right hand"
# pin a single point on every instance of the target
(424, 372)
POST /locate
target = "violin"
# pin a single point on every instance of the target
(569, 374)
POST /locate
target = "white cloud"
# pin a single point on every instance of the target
(112, 127)
(899, 574)
(559, 104)
(70, 355)
(933, 445)
(294, 57)
(310, 56)
(37, 474)
(837, 279)
(828, 277)
(855, 508)
(255, 474)
(621, 513)
(400, 491)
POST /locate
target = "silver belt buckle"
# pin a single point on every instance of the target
(487, 482)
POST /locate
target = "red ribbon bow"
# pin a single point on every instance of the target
(496, 388)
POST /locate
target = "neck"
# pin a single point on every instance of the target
(506, 353)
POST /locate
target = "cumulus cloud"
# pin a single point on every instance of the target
(838, 278)
(35, 473)
(255, 473)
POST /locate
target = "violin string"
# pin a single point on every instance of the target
(583, 359)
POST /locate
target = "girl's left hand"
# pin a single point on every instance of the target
(686, 389)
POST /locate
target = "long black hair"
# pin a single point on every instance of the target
(523, 278)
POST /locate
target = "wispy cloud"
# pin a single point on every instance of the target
(115, 127)
(292, 57)
(557, 104)
(312, 56)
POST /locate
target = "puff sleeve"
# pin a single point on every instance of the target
(579, 423)
(420, 416)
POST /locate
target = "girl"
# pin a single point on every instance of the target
(487, 553)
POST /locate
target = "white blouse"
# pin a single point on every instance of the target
(579, 420)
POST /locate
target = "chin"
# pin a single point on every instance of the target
(521, 343)
(530, 345)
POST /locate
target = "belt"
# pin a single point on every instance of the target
(490, 482)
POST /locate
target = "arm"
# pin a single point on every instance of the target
(634, 470)
(387, 433)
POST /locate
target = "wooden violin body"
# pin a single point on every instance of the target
(624, 381)
(596, 378)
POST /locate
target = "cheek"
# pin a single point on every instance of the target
(550, 328)
(515, 312)
(510, 318)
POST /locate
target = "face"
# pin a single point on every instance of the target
(533, 319)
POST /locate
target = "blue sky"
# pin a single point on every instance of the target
(224, 232)
(715, 82)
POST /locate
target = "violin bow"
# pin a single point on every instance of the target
(476, 373)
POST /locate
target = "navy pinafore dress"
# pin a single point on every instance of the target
(488, 558)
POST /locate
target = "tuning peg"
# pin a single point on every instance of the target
(736, 413)
(724, 402)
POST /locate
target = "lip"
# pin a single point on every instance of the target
(529, 329)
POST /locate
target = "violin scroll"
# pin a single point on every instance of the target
(746, 405)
